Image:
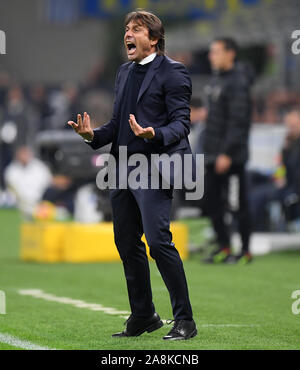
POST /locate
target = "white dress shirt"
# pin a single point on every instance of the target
(148, 59)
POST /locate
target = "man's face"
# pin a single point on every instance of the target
(292, 122)
(219, 57)
(24, 155)
(137, 42)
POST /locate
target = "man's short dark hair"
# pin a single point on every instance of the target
(228, 42)
(154, 25)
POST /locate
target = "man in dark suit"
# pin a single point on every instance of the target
(151, 115)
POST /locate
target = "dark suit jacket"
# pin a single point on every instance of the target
(163, 103)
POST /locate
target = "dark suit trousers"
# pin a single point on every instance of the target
(148, 211)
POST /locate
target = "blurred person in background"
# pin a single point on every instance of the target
(99, 103)
(5, 81)
(64, 104)
(19, 113)
(225, 144)
(284, 185)
(27, 177)
(62, 192)
(18, 126)
(39, 99)
(198, 117)
(95, 78)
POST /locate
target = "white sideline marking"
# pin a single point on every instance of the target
(229, 325)
(37, 293)
(16, 342)
(2, 303)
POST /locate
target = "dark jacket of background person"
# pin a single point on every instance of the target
(291, 161)
(229, 115)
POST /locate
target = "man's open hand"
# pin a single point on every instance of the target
(83, 127)
(144, 133)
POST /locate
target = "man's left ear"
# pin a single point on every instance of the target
(153, 42)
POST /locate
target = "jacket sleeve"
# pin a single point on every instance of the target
(238, 118)
(104, 135)
(178, 90)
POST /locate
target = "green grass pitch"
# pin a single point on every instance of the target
(235, 307)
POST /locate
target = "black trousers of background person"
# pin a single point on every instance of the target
(148, 211)
(216, 204)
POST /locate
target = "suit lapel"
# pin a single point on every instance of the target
(149, 75)
(123, 79)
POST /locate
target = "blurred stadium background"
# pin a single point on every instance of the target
(61, 59)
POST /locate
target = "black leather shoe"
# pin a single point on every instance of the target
(137, 326)
(182, 329)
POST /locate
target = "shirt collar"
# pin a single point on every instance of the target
(148, 59)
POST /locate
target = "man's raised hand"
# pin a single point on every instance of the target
(144, 133)
(83, 127)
